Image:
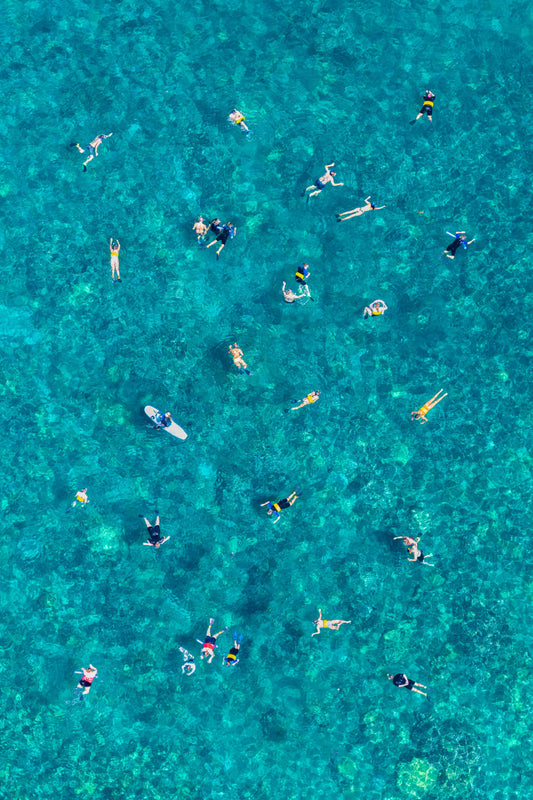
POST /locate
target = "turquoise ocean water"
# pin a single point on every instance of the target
(298, 717)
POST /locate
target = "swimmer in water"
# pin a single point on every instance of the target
(227, 231)
(155, 540)
(356, 212)
(114, 249)
(208, 647)
(319, 184)
(407, 540)
(233, 656)
(333, 624)
(421, 413)
(163, 420)
(311, 398)
(81, 498)
(403, 682)
(87, 679)
(91, 148)
(375, 309)
(289, 296)
(457, 241)
(200, 229)
(427, 107)
(418, 555)
(188, 665)
(238, 118)
(236, 354)
(274, 508)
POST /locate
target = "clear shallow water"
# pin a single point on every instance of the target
(81, 357)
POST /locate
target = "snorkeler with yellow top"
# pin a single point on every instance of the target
(238, 118)
(421, 413)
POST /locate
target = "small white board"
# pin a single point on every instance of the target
(173, 428)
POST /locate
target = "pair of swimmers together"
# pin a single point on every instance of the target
(210, 642)
(414, 550)
(222, 231)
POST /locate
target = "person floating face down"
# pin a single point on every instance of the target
(154, 532)
(227, 231)
(208, 647)
(233, 656)
(238, 118)
(273, 509)
(427, 107)
(319, 184)
(91, 148)
(237, 355)
(81, 497)
(458, 241)
(333, 624)
(86, 680)
(313, 397)
(403, 682)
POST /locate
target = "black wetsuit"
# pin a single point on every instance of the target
(402, 682)
(457, 242)
(154, 534)
(427, 105)
(224, 234)
(216, 227)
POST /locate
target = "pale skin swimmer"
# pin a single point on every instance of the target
(200, 228)
(237, 355)
(91, 148)
(238, 118)
(208, 647)
(326, 178)
(356, 212)
(114, 249)
(311, 398)
(421, 413)
(87, 679)
(375, 309)
(332, 624)
(289, 296)
(81, 498)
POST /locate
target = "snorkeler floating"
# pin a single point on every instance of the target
(310, 398)
(208, 647)
(233, 656)
(356, 212)
(457, 241)
(289, 296)
(418, 555)
(84, 686)
(114, 249)
(403, 682)
(375, 309)
(332, 624)
(91, 148)
(427, 107)
(200, 229)
(154, 532)
(236, 354)
(319, 184)
(238, 118)
(421, 413)
(275, 508)
(81, 498)
(227, 231)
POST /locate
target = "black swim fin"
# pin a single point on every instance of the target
(84, 168)
(412, 122)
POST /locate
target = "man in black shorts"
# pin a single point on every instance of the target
(154, 533)
(427, 107)
(228, 232)
(403, 682)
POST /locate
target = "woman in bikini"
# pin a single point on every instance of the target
(421, 413)
(356, 212)
(311, 398)
(114, 249)
(333, 624)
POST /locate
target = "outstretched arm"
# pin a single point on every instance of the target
(471, 240)
(328, 166)
(336, 184)
(378, 208)
(265, 504)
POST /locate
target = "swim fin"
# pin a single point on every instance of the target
(247, 371)
(241, 637)
(84, 168)
(412, 122)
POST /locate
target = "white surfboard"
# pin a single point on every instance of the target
(173, 428)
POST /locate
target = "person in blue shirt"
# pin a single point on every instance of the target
(228, 231)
